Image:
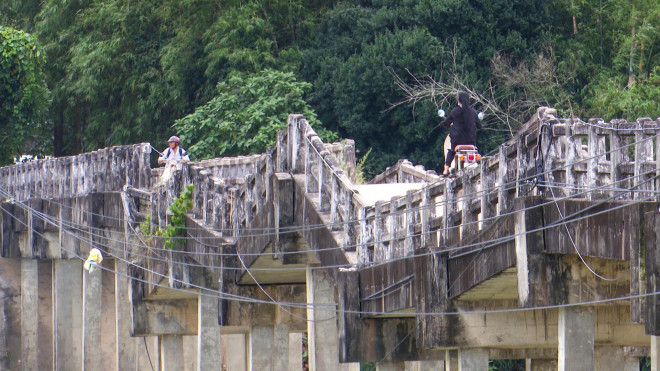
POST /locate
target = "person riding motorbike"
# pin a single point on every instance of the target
(463, 122)
(174, 155)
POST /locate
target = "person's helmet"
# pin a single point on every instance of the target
(174, 138)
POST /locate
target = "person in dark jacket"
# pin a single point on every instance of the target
(463, 122)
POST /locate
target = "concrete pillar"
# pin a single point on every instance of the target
(45, 332)
(126, 345)
(295, 351)
(576, 339)
(67, 315)
(631, 364)
(281, 347)
(609, 358)
(190, 349)
(390, 366)
(541, 365)
(261, 348)
(209, 341)
(451, 360)
(655, 353)
(322, 332)
(92, 316)
(434, 365)
(234, 352)
(29, 314)
(473, 359)
(171, 352)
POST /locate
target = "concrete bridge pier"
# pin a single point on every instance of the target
(269, 347)
(322, 331)
(67, 314)
(473, 359)
(29, 314)
(171, 352)
(209, 339)
(576, 339)
(425, 365)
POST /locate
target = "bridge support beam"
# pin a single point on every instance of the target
(171, 352)
(473, 359)
(390, 366)
(541, 364)
(576, 339)
(29, 314)
(322, 332)
(613, 358)
(425, 365)
(539, 274)
(655, 353)
(68, 316)
(92, 312)
(269, 348)
(209, 339)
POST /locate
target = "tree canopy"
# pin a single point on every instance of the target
(24, 95)
(122, 71)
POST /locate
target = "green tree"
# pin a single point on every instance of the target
(245, 115)
(360, 46)
(24, 95)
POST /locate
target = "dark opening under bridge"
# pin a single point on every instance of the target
(546, 251)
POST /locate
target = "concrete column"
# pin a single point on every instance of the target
(390, 366)
(576, 339)
(281, 347)
(322, 332)
(171, 352)
(190, 353)
(234, 352)
(29, 314)
(434, 365)
(92, 312)
(45, 332)
(126, 355)
(655, 353)
(472, 359)
(209, 341)
(261, 348)
(451, 360)
(631, 364)
(609, 358)
(541, 365)
(67, 315)
(295, 351)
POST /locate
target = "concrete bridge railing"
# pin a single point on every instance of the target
(105, 170)
(550, 157)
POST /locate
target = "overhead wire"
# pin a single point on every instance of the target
(56, 221)
(227, 296)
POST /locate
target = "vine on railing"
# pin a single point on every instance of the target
(174, 232)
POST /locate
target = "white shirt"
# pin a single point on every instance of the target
(177, 157)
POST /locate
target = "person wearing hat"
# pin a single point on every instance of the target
(174, 155)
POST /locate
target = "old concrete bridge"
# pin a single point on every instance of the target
(546, 251)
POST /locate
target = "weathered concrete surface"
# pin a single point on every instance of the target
(171, 352)
(576, 339)
(92, 319)
(209, 350)
(29, 314)
(68, 314)
(472, 359)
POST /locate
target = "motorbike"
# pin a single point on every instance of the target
(466, 154)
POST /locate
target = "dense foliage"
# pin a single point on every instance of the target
(24, 94)
(124, 71)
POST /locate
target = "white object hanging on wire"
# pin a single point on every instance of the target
(93, 260)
